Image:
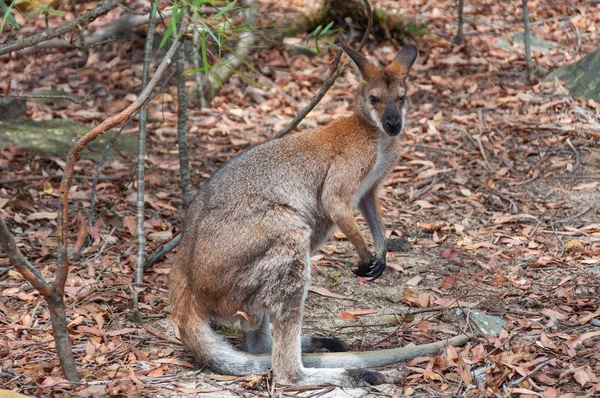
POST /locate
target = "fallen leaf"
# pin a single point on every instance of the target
(43, 215)
(320, 290)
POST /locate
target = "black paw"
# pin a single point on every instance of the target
(363, 378)
(373, 268)
(330, 344)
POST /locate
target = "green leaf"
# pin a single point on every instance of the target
(240, 74)
(326, 29)
(172, 25)
(49, 10)
(224, 9)
(8, 15)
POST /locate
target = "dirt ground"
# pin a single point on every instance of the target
(497, 191)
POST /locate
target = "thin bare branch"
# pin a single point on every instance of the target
(333, 75)
(8, 244)
(83, 20)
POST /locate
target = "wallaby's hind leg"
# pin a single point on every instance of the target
(286, 313)
(260, 341)
(257, 341)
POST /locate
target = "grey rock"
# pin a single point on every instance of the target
(488, 324)
(537, 44)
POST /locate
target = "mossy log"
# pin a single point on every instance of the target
(582, 77)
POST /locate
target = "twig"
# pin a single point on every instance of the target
(576, 152)
(514, 209)
(423, 191)
(534, 371)
(36, 178)
(162, 251)
(160, 336)
(527, 35)
(334, 72)
(562, 251)
(578, 41)
(83, 20)
(487, 164)
(234, 59)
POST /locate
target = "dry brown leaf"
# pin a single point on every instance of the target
(42, 215)
(327, 293)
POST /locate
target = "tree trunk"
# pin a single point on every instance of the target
(56, 308)
(461, 21)
(184, 169)
(527, 40)
(141, 238)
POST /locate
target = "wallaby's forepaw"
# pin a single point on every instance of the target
(373, 268)
(330, 344)
(365, 378)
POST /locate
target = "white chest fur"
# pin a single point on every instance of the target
(388, 152)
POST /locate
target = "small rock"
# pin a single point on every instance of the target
(488, 324)
(398, 245)
(588, 343)
(537, 44)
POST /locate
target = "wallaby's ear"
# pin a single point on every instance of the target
(364, 65)
(403, 60)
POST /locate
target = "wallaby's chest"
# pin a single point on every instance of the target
(388, 153)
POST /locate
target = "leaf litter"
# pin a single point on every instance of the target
(497, 193)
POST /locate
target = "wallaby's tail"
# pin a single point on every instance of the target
(374, 359)
(211, 349)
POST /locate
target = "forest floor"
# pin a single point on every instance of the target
(497, 191)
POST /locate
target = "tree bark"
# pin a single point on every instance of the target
(458, 39)
(56, 304)
(141, 237)
(184, 169)
(58, 316)
(527, 38)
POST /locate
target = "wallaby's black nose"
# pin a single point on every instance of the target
(392, 124)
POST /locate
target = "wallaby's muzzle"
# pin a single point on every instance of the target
(392, 126)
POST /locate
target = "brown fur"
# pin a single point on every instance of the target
(249, 231)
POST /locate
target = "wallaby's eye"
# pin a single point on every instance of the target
(401, 98)
(374, 99)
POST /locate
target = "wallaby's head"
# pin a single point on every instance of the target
(381, 98)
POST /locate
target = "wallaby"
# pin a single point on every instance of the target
(249, 231)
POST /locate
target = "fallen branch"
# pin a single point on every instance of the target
(83, 20)
(334, 72)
